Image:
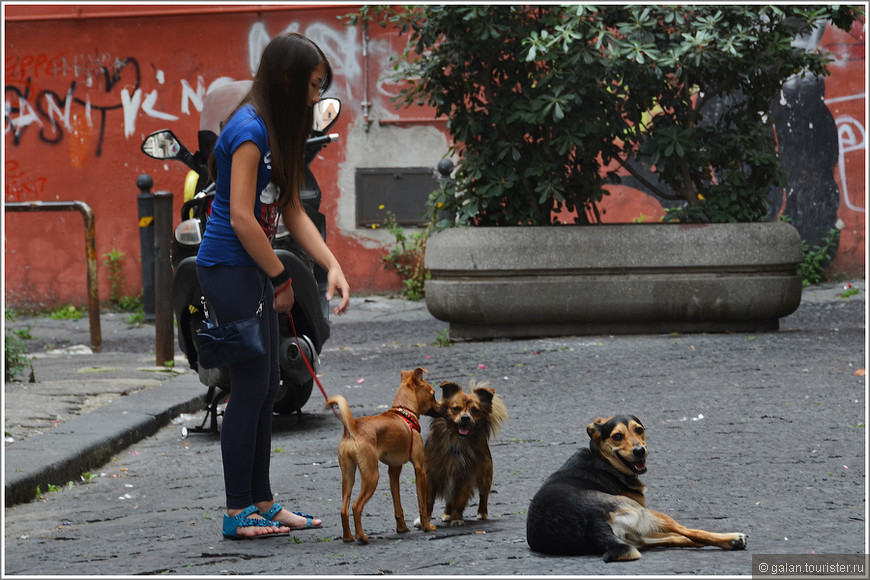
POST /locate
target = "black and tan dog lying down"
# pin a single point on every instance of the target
(594, 503)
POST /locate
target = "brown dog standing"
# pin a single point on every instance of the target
(457, 458)
(392, 437)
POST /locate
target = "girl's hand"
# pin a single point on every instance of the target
(337, 283)
(284, 300)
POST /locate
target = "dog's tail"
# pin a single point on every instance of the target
(498, 413)
(498, 416)
(346, 416)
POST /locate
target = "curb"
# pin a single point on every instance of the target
(88, 441)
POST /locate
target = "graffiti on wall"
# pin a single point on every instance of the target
(98, 94)
(852, 138)
(91, 90)
(341, 46)
(20, 185)
(104, 92)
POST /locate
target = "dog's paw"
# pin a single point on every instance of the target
(738, 542)
(419, 525)
(445, 518)
(621, 553)
(455, 523)
(481, 516)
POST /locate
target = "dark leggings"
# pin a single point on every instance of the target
(233, 293)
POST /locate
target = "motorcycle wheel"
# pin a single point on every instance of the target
(292, 397)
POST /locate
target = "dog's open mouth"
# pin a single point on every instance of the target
(463, 430)
(637, 466)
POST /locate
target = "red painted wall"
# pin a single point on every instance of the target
(84, 85)
(846, 98)
(111, 81)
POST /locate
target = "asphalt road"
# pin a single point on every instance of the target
(757, 433)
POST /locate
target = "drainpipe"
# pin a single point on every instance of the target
(366, 104)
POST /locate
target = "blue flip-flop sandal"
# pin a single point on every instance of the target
(231, 525)
(276, 509)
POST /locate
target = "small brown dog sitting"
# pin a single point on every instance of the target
(457, 459)
(392, 437)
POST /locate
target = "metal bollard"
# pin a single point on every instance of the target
(165, 335)
(145, 203)
(445, 181)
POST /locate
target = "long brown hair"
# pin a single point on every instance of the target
(279, 94)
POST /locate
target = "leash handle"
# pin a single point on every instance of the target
(310, 369)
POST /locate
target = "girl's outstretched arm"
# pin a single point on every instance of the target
(308, 237)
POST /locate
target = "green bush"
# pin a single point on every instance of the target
(15, 354)
(546, 104)
(815, 261)
(114, 261)
(68, 312)
(406, 258)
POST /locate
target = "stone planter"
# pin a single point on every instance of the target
(613, 279)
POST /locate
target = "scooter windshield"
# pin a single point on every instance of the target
(219, 103)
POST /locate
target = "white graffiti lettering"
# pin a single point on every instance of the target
(26, 116)
(852, 138)
(54, 112)
(188, 95)
(130, 105)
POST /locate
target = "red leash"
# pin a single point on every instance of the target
(310, 369)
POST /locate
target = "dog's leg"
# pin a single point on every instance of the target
(621, 553)
(348, 475)
(675, 534)
(484, 484)
(668, 540)
(368, 469)
(395, 471)
(430, 502)
(430, 499)
(422, 494)
(456, 507)
(605, 540)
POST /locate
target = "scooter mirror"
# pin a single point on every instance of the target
(162, 145)
(326, 114)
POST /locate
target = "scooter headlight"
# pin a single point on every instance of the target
(189, 233)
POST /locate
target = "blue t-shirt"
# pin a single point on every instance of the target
(220, 244)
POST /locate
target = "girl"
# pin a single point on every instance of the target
(258, 167)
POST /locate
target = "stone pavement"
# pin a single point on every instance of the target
(759, 433)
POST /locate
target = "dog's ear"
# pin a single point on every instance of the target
(594, 429)
(485, 395)
(638, 421)
(449, 389)
(418, 373)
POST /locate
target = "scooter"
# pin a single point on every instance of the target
(303, 333)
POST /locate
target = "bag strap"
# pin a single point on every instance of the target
(259, 312)
(262, 298)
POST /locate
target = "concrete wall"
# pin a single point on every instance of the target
(84, 85)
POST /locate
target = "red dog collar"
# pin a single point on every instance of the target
(409, 418)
